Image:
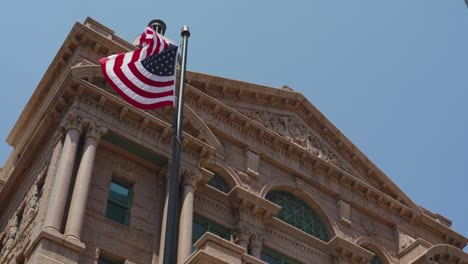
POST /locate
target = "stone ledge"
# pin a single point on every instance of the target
(216, 250)
(54, 236)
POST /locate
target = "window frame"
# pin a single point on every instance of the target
(109, 259)
(318, 229)
(127, 207)
(219, 183)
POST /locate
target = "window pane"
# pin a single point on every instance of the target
(272, 257)
(376, 260)
(198, 231)
(119, 201)
(109, 260)
(297, 213)
(116, 212)
(119, 193)
(219, 183)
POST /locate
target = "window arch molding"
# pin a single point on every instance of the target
(375, 247)
(306, 196)
(226, 172)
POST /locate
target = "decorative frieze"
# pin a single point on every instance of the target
(131, 121)
(16, 234)
(286, 242)
(213, 207)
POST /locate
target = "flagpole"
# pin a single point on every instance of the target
(172, 220)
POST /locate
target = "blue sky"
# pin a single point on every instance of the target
(391, 75)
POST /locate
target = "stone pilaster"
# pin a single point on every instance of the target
(73, 127)
(83, 181)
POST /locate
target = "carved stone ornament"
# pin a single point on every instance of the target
(192, 179)
(404, 240)
(368, 225)
(248, 183)
(93, 131)
(291, 129)
(345, 212)
(72, 121)
(241, 234)
(256, 240)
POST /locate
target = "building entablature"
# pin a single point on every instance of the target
(137, 124)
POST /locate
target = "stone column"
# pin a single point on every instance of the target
(162, 238)
(256, 243)
(58, 196)
(79, 199)
(189, 183)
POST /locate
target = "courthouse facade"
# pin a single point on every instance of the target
(265, 177)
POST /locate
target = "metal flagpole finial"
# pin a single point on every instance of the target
(185, 31)
(158, 25)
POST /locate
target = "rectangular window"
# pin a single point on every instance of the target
(272, 257)
(119, 201)
(103, 259)
(202, 225)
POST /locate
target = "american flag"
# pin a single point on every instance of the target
(145, 77)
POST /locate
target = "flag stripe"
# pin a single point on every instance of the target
(137, 85)
(136, 71)
(131, 85)
(144, 76)
(133, 98)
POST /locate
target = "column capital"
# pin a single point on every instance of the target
(256, 244)
(256, 240)
(93, 131)
(72, 121)
(241, 234)
(195, 178)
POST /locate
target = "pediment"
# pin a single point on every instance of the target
(290, 115)
(298, 132)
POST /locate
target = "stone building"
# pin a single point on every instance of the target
(263, 171)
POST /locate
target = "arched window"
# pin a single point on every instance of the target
(376, 260)
(219, 183)
(297, 213)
